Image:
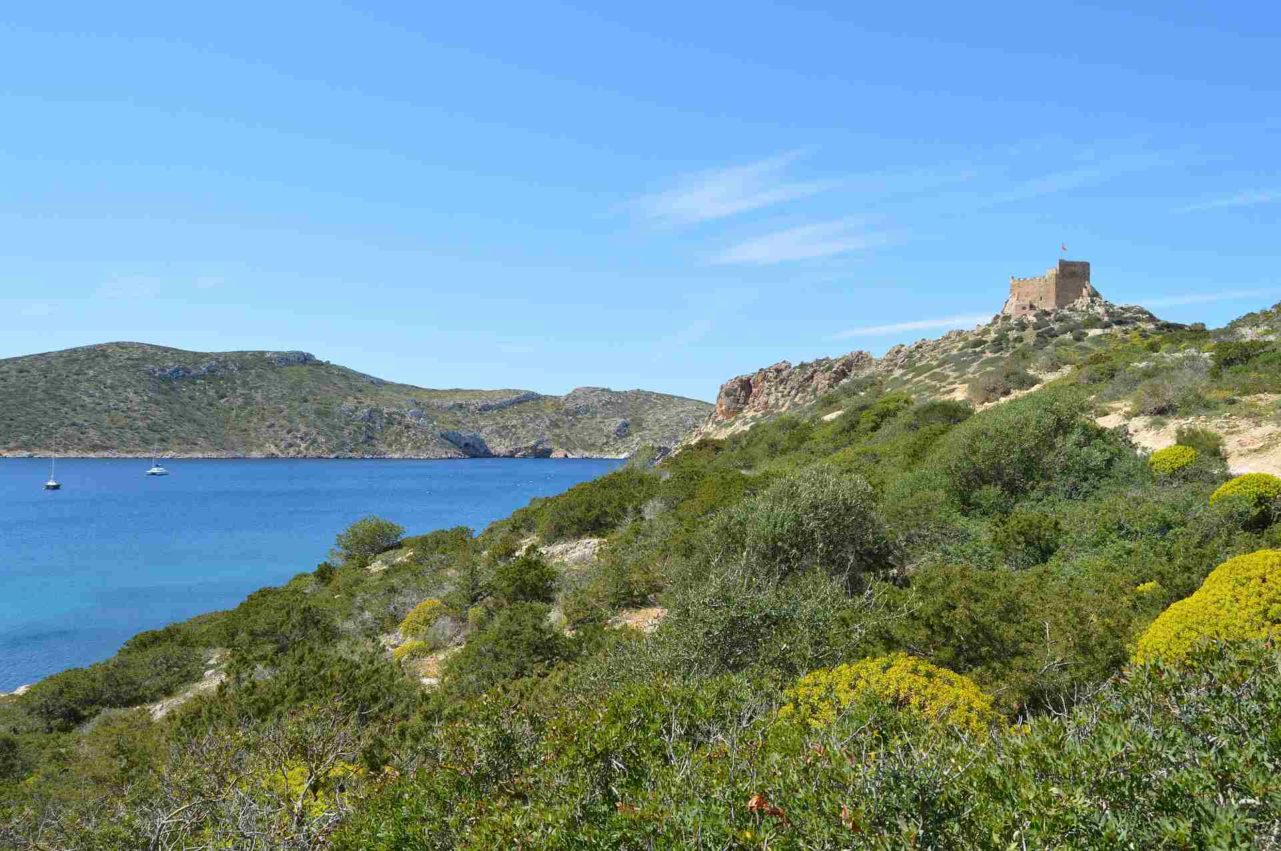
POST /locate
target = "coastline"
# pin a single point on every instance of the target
(559, 455)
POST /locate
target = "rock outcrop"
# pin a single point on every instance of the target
(939, 367)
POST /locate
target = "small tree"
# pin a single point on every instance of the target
(360, 542)
(527, 579)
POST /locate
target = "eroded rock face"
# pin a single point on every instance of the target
(927, 368)
(783, 386)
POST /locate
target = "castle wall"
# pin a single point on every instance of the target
(1057, 288)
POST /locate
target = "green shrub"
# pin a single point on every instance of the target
(594, 508)
(72, 697)
(1040, 443)
(910, 684)
(517, 642)
(1260, 492)
(815, 518)
(367, 538)
(1240, 600)
(1236, 353)
(525, 579)
(998, 383)
(1204, 441)
(1027, 538)
(1172, 459)
(411, 650)
(421, 618)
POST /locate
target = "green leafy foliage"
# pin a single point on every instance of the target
(367, 538)
(879, 563)
(525, 579)
(517, 643)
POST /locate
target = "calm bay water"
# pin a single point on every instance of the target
(115, 552)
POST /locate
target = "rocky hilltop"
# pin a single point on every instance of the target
(949, 366)
(134, 399)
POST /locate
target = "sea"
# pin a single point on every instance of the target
(116, 552)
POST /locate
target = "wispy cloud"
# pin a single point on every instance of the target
(681, 339)
(726, 192)
(1208, 298)
(806, 242)
(36, 309)
(1089, 174)
(146, 286)
(129, 287)
(1247, 198)
(913, 325)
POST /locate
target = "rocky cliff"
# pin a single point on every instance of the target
(941, 367)
(133, 399)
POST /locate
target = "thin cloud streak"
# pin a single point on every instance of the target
(806, 242)
(914, 325)
(727, 192)
(1076, 178)
(1248, 198)
(1208, 298)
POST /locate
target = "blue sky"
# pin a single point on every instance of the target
(656, 195)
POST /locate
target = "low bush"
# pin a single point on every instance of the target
(421, 618)
(1259, 492)
(593, 508)
(1172, 459)
(1027, 538)
(410, 650)
(1037, 444)
(816, 518)
(1204, 441)
(936, 694)
(525, 579)
(517, 642)
(367, 538)
(1240, 600)
(1236, 353)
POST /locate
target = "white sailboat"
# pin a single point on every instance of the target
(156, 469)
(53, 484)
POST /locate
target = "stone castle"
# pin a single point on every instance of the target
(1057, 288)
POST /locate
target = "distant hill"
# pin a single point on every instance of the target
(134, 399)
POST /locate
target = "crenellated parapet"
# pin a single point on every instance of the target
(1057, 288)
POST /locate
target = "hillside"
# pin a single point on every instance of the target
(979, 365)
(132, 399)
(932, 600)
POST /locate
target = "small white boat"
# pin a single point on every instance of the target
(156, 469)
(53, 484)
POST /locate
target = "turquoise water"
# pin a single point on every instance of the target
(115, 552)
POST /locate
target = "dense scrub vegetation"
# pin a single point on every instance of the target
(905, 625)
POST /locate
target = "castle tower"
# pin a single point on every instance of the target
(1057, 288)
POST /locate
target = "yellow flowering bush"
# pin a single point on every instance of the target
(410, 650)
(1239, 600)
(1171, 459)
(1260, 490)
(940, 696)
(421, 618)
(1149, 587)
(320, 797)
